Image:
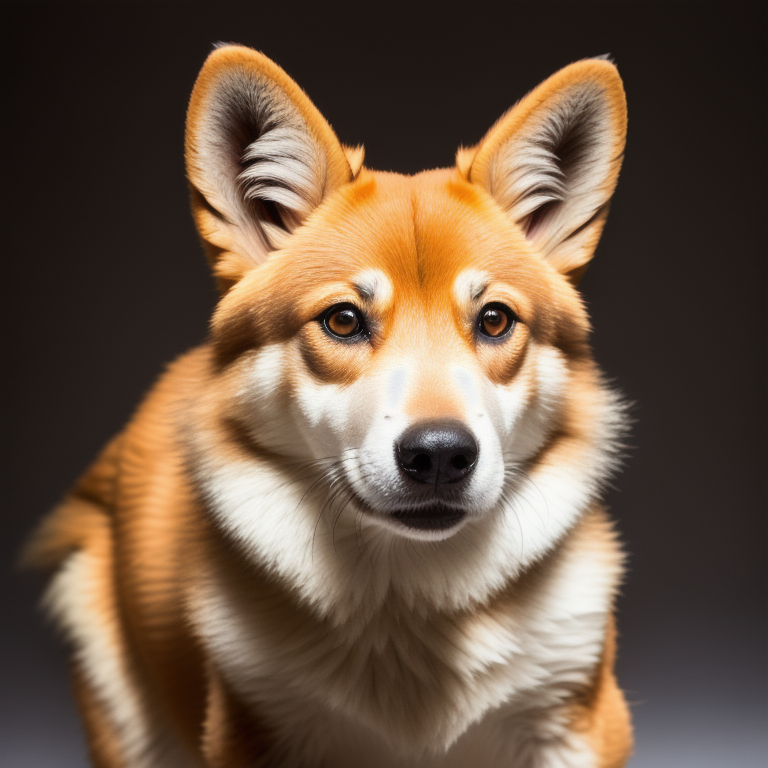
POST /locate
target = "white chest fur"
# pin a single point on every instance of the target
(405, 685)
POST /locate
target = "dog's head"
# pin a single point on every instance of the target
(410, 350)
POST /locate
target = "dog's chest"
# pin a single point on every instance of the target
(433, 686)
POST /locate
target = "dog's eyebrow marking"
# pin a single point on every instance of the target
(472, 284)
(373, 285)
(364, 291)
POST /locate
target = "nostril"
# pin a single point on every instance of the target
(460, 461)
(421, 462)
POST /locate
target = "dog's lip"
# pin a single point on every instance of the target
(437, 517)
(431, 517)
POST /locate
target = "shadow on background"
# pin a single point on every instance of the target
(105, 282)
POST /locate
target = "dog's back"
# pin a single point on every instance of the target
(360, 526)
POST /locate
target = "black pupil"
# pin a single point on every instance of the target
(494, 319)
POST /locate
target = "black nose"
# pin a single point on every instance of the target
(437, 452)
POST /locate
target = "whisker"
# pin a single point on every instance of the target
(416, 552)
(359, 529)
(330, 474)
(341, 511)
(514, 473)
(335, 491)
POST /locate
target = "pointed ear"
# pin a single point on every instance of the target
(552, 161)
(260, 158)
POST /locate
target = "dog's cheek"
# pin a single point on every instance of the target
(529, 408)
(503, 362)
(331, 361)
(506, 403)
(509, 385)
(304, 398)
(324, 376)
(333, 418)
(260, 392)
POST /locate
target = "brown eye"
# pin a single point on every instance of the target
(496, 321)
(344, 322)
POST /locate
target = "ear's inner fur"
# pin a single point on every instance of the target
(552, 161)
(256, 149)
(546, 177)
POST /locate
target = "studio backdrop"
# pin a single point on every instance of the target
(105, 283)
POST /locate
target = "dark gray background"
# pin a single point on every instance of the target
(104, 282)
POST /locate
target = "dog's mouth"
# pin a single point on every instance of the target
(437, 517)
(423, 519)
(434, 518)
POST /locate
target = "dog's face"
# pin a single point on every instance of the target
(409, 333)
(419, 338)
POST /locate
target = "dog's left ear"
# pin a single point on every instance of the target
(260, 158)
(552, 161)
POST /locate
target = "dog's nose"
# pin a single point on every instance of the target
(437, 452)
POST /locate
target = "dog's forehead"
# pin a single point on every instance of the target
(417, 233)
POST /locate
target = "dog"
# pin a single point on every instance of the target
(361, 524)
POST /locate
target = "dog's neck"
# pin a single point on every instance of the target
(544, 628)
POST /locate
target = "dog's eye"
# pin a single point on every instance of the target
(496, 321)
(344, 321)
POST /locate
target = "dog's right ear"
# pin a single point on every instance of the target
(260, 158)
